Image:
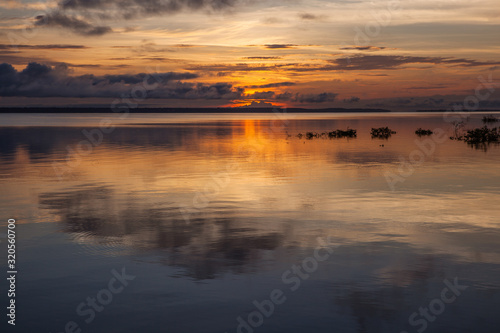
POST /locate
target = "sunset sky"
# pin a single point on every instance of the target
(399, 55)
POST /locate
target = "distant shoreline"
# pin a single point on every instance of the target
(42, 110)
(186, 110)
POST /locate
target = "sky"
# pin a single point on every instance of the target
(394, 54)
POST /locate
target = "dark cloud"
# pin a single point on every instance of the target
(492, 104)
(80, 16)
(353, 63)
(435, 102)
(356, 62)
(374, 62)
(16, 58)
(138, 78)
(214, 91)
(313, 98)
(38, 80)
(164, 59)
(307, 16)
(364, 48)
(133, 8)
(307, 98)
(88, 65)
(263, 58)
(374, 74)
(353, 99)
(77, 25)
(427, 87)
(273, 85)
(294, 97)
(243, 67)
(261, 95)
(259, 104)
(43, 47)
(35, 70)
(429, 103)
(151, 47)
(280, 46)
(311, 17)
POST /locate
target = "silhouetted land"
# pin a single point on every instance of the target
(448, 110)
(184, 110)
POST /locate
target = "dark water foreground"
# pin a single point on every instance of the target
(188, 224)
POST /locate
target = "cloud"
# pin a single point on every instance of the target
(307, 16)
(280, 46)
(259, 104)
(263, 58)
(352, 100)
(356, 62)
(43, 47)
(307, 98)
(428, 87)
(39, 80)
(13, 4)
(364, 48)
(77, 25)
(434, 102)
(138, 78)
(374, 62)
(374, 74)
(15, 58)
(151, 47)
(273, 85)
(134, 8)
(79, 16)
(352, 63)
(261, 95)
(296, 98)
(313, 98)
(187, 46)
(311, 17)
(241, 67)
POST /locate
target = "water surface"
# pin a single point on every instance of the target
(209, 211)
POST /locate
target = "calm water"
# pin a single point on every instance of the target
(211, 213)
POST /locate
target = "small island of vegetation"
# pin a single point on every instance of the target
(382, 133)
(422, 132)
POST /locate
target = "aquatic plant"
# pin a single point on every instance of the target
(311, 135)
(490, 119)
(422, 132)
(349, 133)
(480, 138)
(382, 132)
(481, 135)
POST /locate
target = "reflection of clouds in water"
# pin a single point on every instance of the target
(224, 238)
(42, 142)
(205, 247)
